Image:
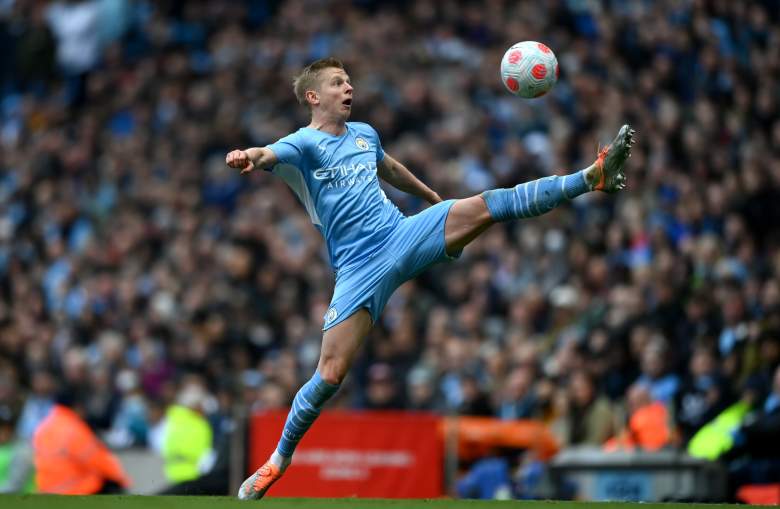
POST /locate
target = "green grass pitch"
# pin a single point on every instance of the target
(145, 502)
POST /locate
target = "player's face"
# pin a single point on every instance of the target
(335, 92)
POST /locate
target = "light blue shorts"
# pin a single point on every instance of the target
(416, 244)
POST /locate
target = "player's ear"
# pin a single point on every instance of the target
(312, 97)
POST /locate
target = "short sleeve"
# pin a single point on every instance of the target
(380, 153)
(289, 150)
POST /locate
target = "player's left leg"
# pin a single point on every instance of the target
(469, 217)
(340, 343)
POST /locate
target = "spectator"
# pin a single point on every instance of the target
(130, 423)
(508, 474)
(589, 418)
(755, 456)
(490, 478)
(126, 246)
(69, 457)
(214, 469)
(703, 394)
(16, 464)
(421, 389)
(661, 384)
(38, 404)
(187, 445)
(518, 400)
(760, 364)
(475, 400)
(382, 391)
(648, 423)
(76, 25)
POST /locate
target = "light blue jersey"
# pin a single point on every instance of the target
(335, 177)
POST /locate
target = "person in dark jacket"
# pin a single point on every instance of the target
(703, 394)
(754, 459)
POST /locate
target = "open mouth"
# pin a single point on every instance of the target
(347, 102)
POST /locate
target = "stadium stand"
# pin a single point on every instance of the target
(131, 257)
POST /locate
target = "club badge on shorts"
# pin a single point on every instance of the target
(331, 315)
(362, 143)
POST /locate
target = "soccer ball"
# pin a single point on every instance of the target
(529, 69)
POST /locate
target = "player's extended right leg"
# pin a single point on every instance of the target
(469, 217)
(540, 196)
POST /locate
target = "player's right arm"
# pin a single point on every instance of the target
(250, 159)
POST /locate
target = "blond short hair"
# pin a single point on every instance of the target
(307, 79)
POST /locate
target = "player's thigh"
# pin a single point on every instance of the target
(467, 219)
(340, 343)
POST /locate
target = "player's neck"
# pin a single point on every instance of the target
(330, 126)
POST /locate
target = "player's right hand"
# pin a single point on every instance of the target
(240, 159)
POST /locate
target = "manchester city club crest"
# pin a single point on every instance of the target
(332, 313)
(361, 143)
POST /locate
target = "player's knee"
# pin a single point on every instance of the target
(333, 370)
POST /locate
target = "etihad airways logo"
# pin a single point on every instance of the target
(345, 175)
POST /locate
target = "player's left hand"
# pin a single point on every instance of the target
(240, 159)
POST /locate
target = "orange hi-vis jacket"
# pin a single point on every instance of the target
(648, 429)
(70, 459)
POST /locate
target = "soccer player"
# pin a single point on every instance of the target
(334, 167)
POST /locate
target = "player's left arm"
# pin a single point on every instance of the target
(398, 176)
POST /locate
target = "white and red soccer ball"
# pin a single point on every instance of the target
(529, 69)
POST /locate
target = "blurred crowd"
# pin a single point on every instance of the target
(137, 269)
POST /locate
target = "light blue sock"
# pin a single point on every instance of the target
(534, 198)
(305, 409)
